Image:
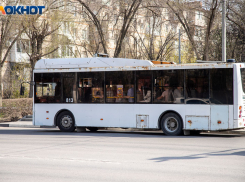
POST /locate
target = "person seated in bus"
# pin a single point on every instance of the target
(157, 92)
(147, 92)
(130, 93)
(190, 88)
(167, 95)
(147, 97)
(201, 93)
(139, 91)
(177, 93)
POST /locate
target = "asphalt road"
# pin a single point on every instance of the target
(49, 155)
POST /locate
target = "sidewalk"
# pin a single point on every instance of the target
(28, 124)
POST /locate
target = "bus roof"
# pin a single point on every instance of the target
(89, 62)
(95, 63)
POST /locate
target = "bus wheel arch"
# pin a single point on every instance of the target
(171, 117)
(65, 120)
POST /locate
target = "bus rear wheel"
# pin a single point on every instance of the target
(66, 122)
(171, 124)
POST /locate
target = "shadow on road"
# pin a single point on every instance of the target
(232, 152)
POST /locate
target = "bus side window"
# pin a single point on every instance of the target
(168, 86)
(119, 87)
(47, 88)
(90, 87)
(197, 86)
(221, 86)
(68, 89)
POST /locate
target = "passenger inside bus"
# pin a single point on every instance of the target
(177, 93)
(167, 95)
(157, 91)
(130, 93)
(147, 91)
(139, 91)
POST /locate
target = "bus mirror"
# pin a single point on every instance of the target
(22, 90)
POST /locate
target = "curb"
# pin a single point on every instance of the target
(19, 125)
(22, 125)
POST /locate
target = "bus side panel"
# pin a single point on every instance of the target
(198, 115)
(231, 120)
(106, 115)
(41, 117)
(219, 117)
(122, 115)
(116, 115)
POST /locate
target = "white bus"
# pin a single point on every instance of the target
(96, 93)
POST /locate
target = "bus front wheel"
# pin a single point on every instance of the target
(66, 122)
(171, 124)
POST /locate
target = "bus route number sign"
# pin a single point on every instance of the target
(69, 99)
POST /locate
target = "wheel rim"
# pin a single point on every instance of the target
(66, 121)
(171, 124)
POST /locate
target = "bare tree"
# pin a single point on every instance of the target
(127, 13)
(185, 12)
(155, 43)
(94, 16)
(10, 31)
(236, 30)
(37, 31)
(186, 22)
(120, 12)
(236, 13)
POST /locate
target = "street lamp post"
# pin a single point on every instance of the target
(224, 31)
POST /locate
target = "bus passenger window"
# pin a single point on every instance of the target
(221, 86)
(69, 88)
(47, 89)
(120, 87)
(197, 86)
(168, 86)
(90, 87)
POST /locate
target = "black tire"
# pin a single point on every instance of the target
(66, 122)
(93, 129)
(172, 124)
